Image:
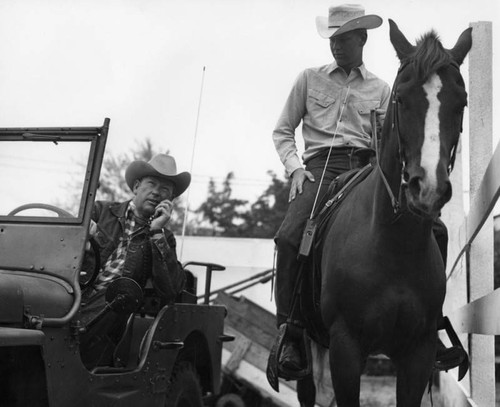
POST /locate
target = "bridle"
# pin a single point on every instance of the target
(396, 202)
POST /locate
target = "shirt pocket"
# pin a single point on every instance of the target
(321, 99)
(321, 110)
(361, 121)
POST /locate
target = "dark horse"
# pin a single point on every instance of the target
(383, 278)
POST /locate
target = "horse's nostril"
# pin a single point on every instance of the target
(448, 192)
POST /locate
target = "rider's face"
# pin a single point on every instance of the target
(149, 192)
(347, 49)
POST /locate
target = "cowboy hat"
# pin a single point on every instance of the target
(162, 166)
(344, 18)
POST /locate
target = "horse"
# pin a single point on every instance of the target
(382, 272)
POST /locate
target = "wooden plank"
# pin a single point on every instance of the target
(238, 353)
(480, 316)
(247, 317)
(483, 202)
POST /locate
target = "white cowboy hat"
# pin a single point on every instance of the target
(344, 18)
(161, 166)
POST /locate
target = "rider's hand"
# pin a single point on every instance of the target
(299, 176)
(162, 215)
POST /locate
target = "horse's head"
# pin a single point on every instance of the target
(428, 101)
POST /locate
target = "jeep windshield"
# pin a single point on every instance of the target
(40, 180)
(48, 180)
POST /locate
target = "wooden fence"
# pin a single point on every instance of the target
(472, 304)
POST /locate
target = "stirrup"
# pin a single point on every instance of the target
(463, 366)
(451, 358)
(275, 371)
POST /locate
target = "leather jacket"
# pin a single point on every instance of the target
(147, 257)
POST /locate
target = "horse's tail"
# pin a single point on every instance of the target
(319, 354)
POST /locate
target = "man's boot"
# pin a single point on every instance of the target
(449, 358)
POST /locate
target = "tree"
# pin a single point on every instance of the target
(219, 215)
(268, 211)
(223, 213)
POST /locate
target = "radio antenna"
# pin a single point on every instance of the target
(186, 209)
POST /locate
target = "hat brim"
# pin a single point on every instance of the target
(140, 169)
(364, 22)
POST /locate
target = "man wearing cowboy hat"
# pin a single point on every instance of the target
(333, 102)
(134, 242)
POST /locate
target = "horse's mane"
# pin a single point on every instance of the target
(429, 56)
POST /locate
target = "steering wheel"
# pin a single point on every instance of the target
(61, 212)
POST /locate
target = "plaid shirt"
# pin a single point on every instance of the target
(114, 266)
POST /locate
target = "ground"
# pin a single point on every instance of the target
(380, 391)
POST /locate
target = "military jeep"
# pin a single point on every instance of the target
(170, 355)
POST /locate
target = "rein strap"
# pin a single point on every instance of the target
(394, 202)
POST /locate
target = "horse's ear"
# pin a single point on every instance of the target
(399, 42)
(462, 47)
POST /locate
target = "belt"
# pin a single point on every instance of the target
(336, 151)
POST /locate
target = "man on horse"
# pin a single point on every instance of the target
(333, 102)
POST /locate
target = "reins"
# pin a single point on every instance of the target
(395, 202)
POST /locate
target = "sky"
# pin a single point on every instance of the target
(205, 80)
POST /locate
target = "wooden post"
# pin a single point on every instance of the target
(472, 277)
(480, 270)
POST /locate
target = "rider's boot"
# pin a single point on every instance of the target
(291, 358)
(449, 358)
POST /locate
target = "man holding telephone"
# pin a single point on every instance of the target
(134, 242)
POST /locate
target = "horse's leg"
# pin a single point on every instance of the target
(346, 365)
(306, 391)
(414, 370)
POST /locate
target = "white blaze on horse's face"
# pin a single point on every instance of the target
(431, 147)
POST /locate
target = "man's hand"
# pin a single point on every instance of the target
(299, 176)
(162, 214)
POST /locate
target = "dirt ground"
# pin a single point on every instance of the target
(380, 391)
